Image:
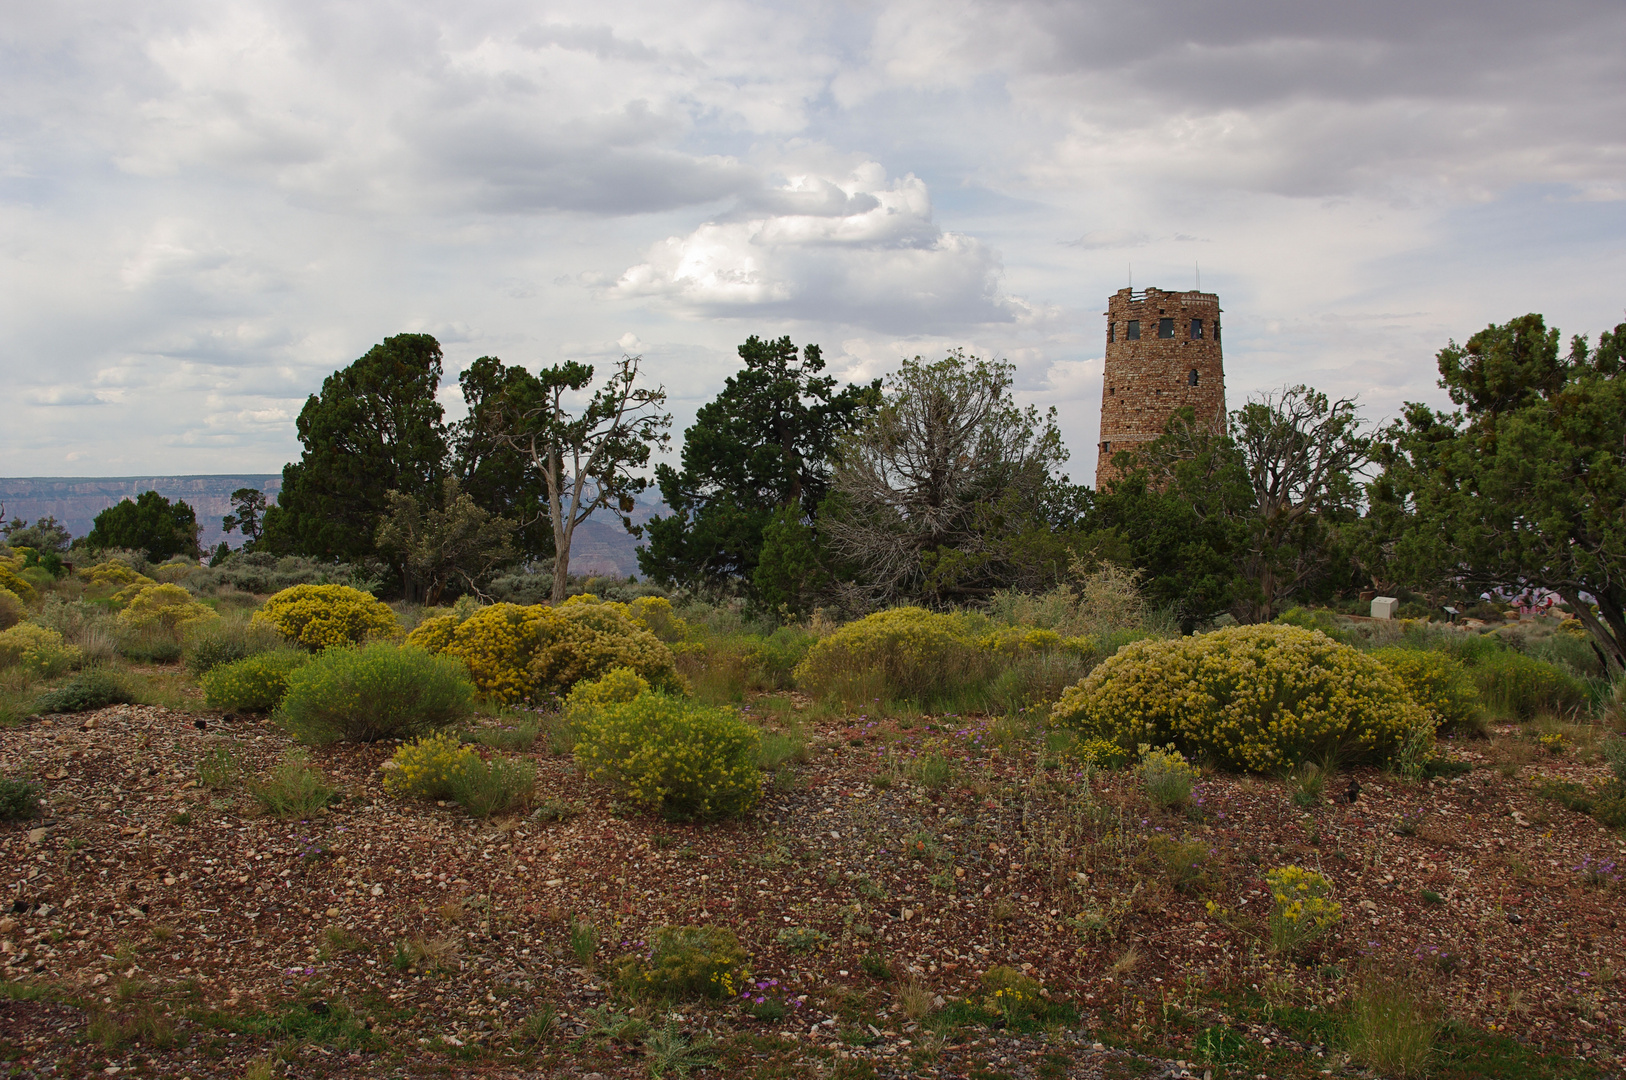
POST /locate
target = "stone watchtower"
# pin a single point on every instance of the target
(1163, 352)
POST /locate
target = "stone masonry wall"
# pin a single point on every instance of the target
(1150, 377)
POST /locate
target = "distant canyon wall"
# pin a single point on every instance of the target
(601, 546)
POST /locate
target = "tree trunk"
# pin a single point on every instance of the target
(561, 569)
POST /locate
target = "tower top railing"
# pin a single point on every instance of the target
(1142, 294)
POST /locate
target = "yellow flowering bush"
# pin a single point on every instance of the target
(1301, 908)
(957, 660)
(1253, 697)
(435, 633)
(1012, 995)
(169, 607)
(113, 575)
(678, 758)
(905, 653)
(37, 649)
(655, 614)
(424, 768)
(322, 616)
(616, 687)
(18, 586)
(12, 609)
(1102, 753)
(521, 653)
(686, 962)
(1440, 684)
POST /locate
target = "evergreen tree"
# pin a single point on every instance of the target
(761, 448)
(497, 477)
(149, 523)
(1524, 486)
(375, 428)
(248, 515)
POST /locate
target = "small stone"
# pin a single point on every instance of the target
(37, 836)
(377, 890)
(333, 913)
(554, 883)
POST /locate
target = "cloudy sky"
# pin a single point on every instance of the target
(205, 208)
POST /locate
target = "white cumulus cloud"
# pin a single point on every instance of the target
(858, 249)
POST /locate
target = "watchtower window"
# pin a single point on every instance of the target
(1191, 380)
(1196, 329)
(1112, 332)
(1106, 448)
(1111, 390)
(1165, 328)
(1132, 330)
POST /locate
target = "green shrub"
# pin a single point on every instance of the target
(255, 684)
(507, 733)
(324, 616)
(780, 748)
(1108, 601)
(379, 691)
(1514, 685)
(686, 962)
(1438, 683)
(218, 768)
(293, 789)
(260, 573)
(491, 787)
(19, 799)
(536, 654)
(92, 688)
(211, 643)
(1614, 752)
(676, 757)
(1315, 619)
(1388, 1031)
(1251, 697)
(1186, 862)
(1167, 776)
(802, 938)
(152, 643)
(724, 668)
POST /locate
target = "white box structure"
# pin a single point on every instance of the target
(1384, 607)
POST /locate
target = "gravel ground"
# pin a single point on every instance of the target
(144, 900)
